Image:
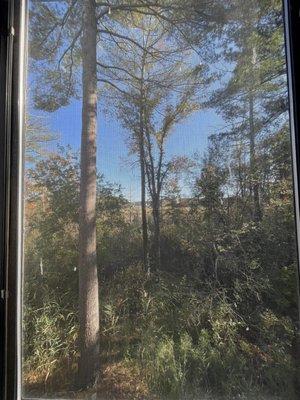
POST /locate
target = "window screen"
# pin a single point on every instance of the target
(159, 238)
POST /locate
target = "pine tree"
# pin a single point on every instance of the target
(253, 99)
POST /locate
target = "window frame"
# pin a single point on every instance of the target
(292, 28)
(11, 172)
(13, 41)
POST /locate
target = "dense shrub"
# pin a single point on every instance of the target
(217, 318)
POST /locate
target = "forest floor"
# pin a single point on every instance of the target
(119, 382)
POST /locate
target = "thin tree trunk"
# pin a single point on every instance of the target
(240, 171)
(156, 235)
(143, 170)
(254, 186)
(143, 202)
(88, 276)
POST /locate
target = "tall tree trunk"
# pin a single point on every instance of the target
(254, 185)
(143, 201)
(143, 168)
(88, 276)
(156, 234)
(240, 166)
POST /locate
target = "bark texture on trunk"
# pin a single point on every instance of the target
(254, 185)
(143, 182)
(142, 155)
(156, 233)
(143, 204)
(88, 275)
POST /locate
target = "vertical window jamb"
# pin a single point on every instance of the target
(292, 27)
(14, 196)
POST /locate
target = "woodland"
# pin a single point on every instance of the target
(190, 291)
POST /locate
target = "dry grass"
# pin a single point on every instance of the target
(118, 381)
(122, 382)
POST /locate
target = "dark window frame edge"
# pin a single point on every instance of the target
(291, 13)
(12, 238)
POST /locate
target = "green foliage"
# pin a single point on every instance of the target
(193, 343)
(53, 326)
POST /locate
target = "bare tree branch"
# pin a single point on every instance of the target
(113, 85)
(109, 32)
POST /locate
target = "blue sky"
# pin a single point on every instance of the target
(112, 152)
